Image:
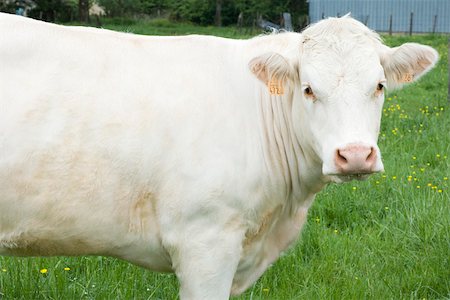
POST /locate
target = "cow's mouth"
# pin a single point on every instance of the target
(358, 176)
(339, 178)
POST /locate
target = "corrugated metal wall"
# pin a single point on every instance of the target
(428, 15)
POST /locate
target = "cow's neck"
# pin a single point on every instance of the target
(282, 152)
(279, 145)
(292, 178)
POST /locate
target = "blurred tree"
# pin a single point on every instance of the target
(70, 11)
(7, 6)
(52, 10)
(218, 17)
(270, 9)
(83, 11)
(203, 12)
(154, 7)
(196, 11)
(127, 8)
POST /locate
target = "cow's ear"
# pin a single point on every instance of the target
(407, 63)
(271, 67)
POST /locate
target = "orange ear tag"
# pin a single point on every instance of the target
(275, 87)
(408, 77)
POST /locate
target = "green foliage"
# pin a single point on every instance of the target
(268, 9)
(203, 11)
(196, 11)
(152, 7)
(53, 10)
(128, 8)
(7, 6)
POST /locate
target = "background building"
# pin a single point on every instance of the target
(419, 16)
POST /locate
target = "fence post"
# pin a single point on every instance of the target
(366, 20)
(287, 20)
(448, 91)
(240, 21)
(390, 24)
(254, 25)
(411, 23)
(434, 24)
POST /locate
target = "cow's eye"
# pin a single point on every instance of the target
(380, 87)
(309, 92)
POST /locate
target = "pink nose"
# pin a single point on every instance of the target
(356, 159)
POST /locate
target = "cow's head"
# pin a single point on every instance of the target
(338, 76)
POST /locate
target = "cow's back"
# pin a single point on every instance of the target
(96, 127)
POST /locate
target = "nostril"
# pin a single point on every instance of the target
(355, 158)
(372, 155)
(341, 159)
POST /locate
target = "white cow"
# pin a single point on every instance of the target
(195, 154)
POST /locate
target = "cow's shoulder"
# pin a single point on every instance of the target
(277, 229)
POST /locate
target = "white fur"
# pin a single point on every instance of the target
(170, 152)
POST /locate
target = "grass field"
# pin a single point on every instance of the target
(385, 238)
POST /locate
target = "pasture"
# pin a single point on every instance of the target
(384, 238)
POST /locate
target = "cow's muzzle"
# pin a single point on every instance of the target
(356, 159)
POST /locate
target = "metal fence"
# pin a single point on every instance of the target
(415, 16)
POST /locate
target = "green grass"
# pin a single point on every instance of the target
(385, 238)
